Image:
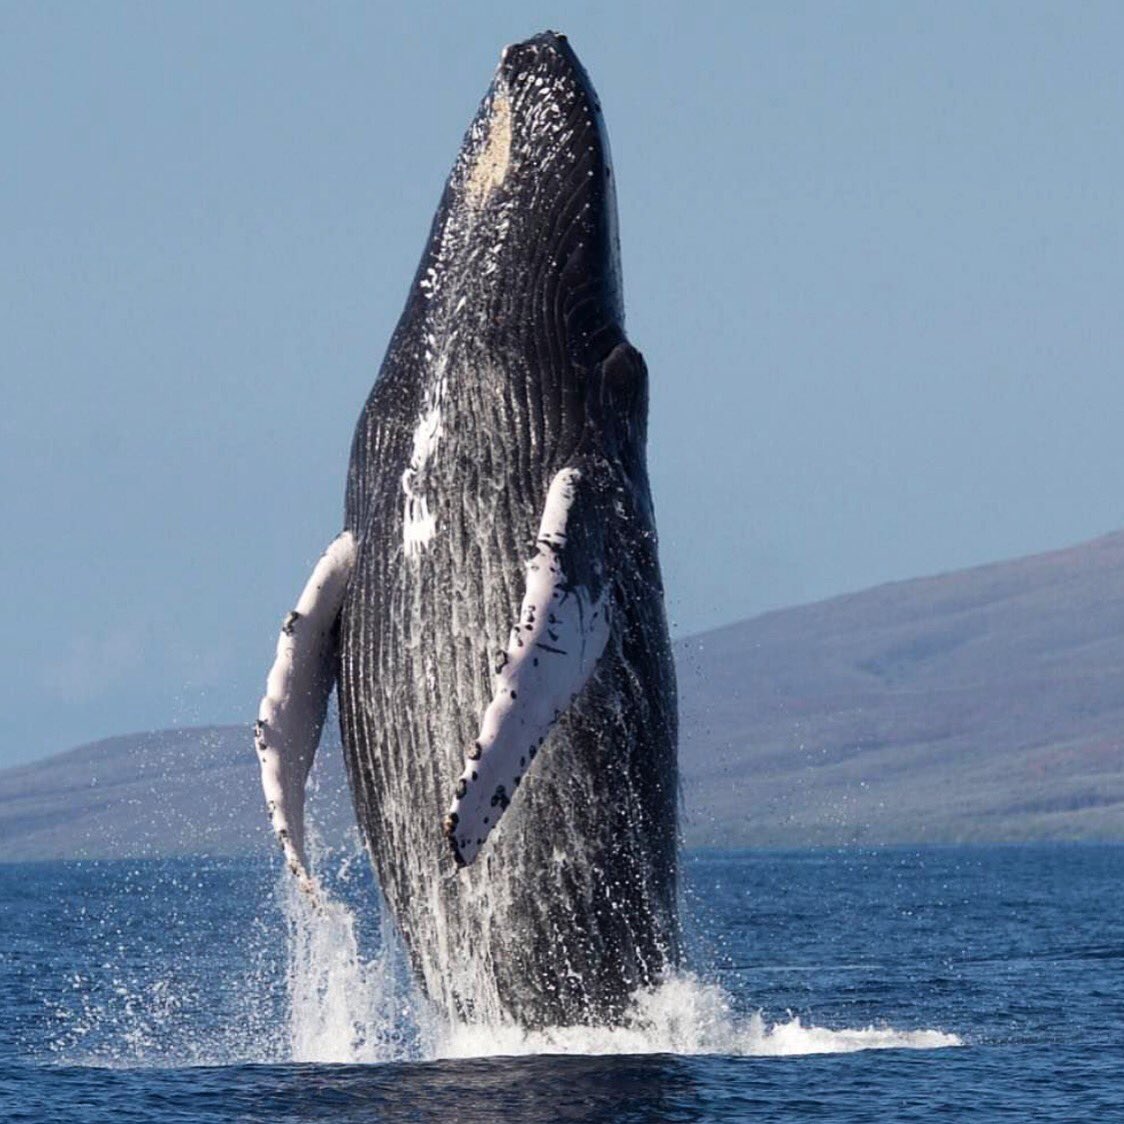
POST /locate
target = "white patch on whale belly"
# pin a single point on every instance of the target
(292, 711)
(419, 523)
(555, 645)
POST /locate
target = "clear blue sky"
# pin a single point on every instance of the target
(872, 252)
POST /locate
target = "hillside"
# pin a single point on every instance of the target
(986, 704)
(166, 792)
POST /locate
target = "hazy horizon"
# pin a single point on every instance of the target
(872, 256)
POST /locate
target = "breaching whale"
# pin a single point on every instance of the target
(493, 611)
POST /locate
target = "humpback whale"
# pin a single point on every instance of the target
(492, 612)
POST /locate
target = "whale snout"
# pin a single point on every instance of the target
(545, 69)
(549, 51)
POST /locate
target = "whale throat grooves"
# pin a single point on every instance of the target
(507, 693)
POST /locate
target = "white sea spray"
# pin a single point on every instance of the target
(348, 1009)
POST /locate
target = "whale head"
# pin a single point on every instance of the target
(525, 239)
(514, 323)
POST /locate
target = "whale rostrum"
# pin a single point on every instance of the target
(492, 612)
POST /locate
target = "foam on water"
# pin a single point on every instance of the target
(686, 1016)
(346, 1008)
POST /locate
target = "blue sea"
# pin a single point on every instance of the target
(890, 985)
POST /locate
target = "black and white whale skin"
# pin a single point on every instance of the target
(493, 610)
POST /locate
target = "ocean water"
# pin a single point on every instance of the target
(934, 984)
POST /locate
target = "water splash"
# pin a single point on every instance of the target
(686, 1016)
(343, 1007)
(159, 964)
(195, 963)
(348, 1008)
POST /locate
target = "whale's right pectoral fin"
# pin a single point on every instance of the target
(300, 681)
(562, 630)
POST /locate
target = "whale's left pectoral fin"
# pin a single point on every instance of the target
(292, 712)
(555, 644)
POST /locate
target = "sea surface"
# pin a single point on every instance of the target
(914, 985)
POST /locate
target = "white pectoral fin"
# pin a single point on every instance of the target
(561, 632)
(292, 711)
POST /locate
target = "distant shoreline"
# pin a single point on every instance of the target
(982, 707)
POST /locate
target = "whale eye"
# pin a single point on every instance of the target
(618, 402)
(624, 376)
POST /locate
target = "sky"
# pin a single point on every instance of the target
(872, 254)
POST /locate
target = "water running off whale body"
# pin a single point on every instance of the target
(492, 611)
